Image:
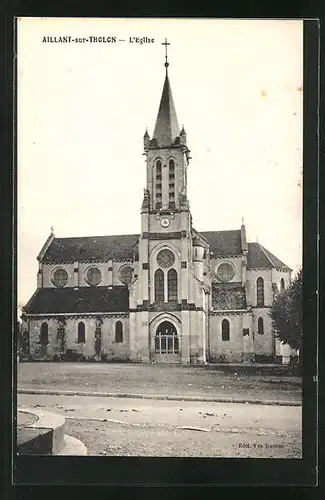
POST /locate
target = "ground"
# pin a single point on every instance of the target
(147, 427)
(157, 379)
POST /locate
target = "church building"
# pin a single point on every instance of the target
(169, 294)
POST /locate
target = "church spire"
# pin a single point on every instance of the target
(166, 128)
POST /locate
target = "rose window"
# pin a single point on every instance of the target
(126, 274)
(60, 277)
(94, 276)
(225, 272)
(165, 258)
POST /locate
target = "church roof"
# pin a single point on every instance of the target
(223, 243)
(227, 296)
(91, 248)
(103, 248)
(82, 300)
(258, 256)
(166, 129)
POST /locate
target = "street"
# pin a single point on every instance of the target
(138, 427)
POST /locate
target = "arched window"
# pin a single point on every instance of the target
(44, 335)
(225, 330)
(171, 187)
(159, 286)
(172, 285)
(158, 185)
(81, 333)
(260, 326)
(282, 284)
(118, 332)
(171, 168)
(260, 292)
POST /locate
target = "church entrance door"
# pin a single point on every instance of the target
(167, 343)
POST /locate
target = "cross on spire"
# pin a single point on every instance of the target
(166, 61)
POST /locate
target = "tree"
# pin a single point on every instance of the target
(286, 313)
(61, 335)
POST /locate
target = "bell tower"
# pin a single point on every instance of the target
(165, 288)
(167, 158)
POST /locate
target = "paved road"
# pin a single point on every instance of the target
(114, 426)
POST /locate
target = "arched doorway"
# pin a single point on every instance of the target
(167, 343)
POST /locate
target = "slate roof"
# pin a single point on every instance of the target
(103, 248)
(227, 296)
(224, 243)
(258, 256)
(91, 248)
(83, 300)
(166, 129)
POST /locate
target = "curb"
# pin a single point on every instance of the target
(50, 428)
(207, 399)
(53, 422)
(72, 446)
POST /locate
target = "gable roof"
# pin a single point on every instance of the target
(258, 256)
(91, 248)
(224, 243)
(103, 248)
(82, 300)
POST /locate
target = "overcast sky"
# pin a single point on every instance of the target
(83, 109)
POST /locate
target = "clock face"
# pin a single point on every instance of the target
(164, 222)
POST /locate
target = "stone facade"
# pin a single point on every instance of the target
(168, 294)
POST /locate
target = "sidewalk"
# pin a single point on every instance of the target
(166, 397)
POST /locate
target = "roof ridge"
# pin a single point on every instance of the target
(221, 231)
(96, 236)
(264, 250)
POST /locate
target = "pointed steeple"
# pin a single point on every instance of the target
(167, 128)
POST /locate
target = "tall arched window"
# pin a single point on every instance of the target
(260, 292)
(159, 286)
(260, 326)
(225, 329)
(158, 184)
(172, 285)
(81, 333)
(171, 169)
(282, 284)
(44, 335)
(171, 187)
(118, 332)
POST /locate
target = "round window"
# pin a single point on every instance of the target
(60, 277)
(165, 258)
(125, 273)
(225, 272)
(93, 276)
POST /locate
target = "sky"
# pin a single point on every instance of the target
(83, 108)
